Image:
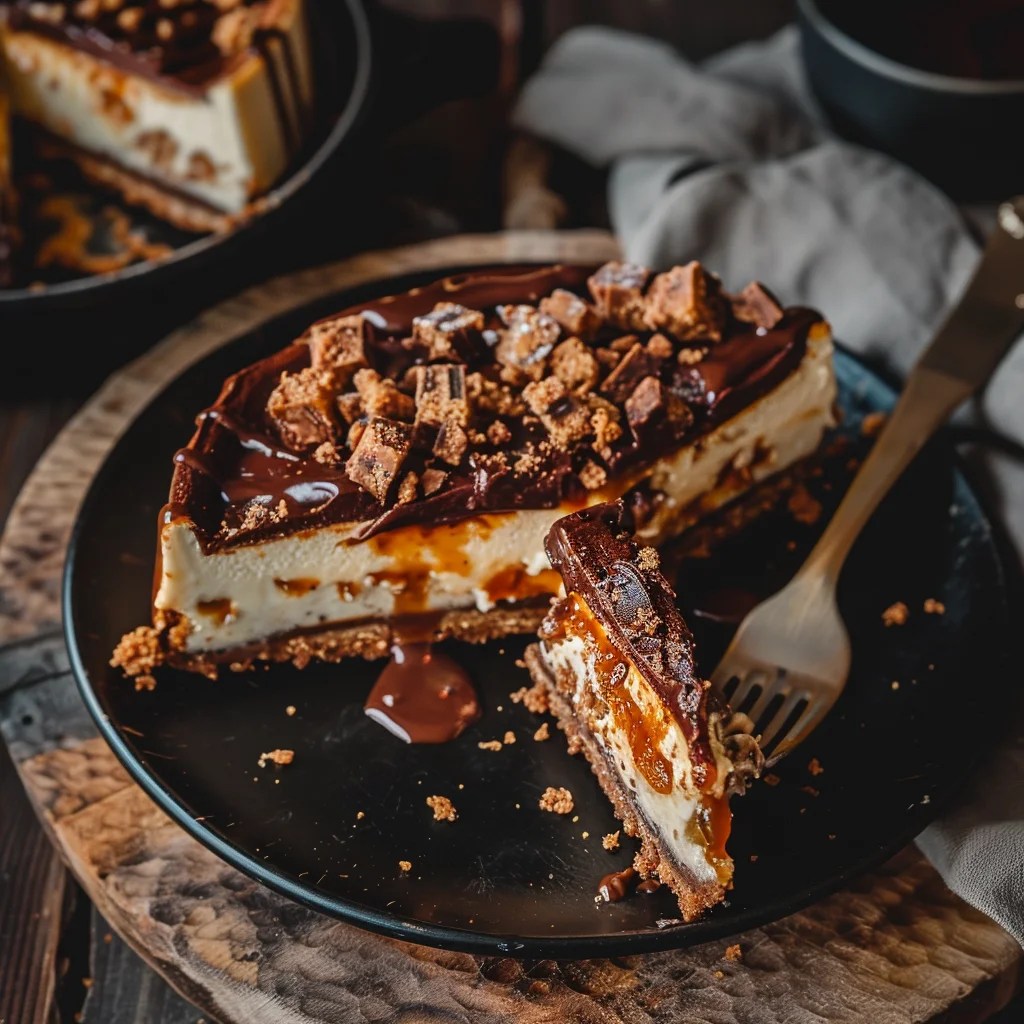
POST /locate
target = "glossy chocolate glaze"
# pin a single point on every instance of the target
(423, 696)
(597, 557)
(235, 456)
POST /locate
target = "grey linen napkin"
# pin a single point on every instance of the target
(729, 162)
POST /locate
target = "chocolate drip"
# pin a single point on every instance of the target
(238, 456)
(423, 696)
(651, 885)
(615, 886)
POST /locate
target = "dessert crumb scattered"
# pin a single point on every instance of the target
(586, 835)
(810, 790)
(872, 424)
(534, 698)
(896, 614)
(290, 710)
(734, 952)
(278, 756)
(510, 737)
(558, 801)
(542, 733)
(814, 766)
(360, 815)
(443, 808)
(753, 858)
(574, 745)
(145, 682)
(490, 745)
(405, 865)
(771, 779)
(719, 974)
(611, 841)
(933, 607)
(895, 685)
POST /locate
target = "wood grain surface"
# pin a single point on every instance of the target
(896, 948)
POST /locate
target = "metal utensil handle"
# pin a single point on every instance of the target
(968, 347)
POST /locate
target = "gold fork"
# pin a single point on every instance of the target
(791, 654)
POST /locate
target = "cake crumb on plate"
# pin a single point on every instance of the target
(277, 756)
(558, 801)
(443, 808)
(542, 733)
(734, 952)
(611, 841)
(896, 614)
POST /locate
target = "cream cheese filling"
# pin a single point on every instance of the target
(248, 593)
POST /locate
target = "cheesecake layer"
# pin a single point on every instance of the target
(238, 594)
(221, 137)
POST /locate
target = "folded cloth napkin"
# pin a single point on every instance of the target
(730, 162)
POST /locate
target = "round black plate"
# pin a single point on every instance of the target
(330, 829)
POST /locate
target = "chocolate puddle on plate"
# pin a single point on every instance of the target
(423, 695)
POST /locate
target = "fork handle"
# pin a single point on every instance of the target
(972, 341)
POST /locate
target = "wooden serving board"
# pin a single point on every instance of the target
(896, 948)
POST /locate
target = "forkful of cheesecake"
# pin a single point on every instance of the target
(790, 658)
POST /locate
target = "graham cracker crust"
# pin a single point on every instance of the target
(694, 897)
(144, 649)
(176, 208)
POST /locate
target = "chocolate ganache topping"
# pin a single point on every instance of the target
(491, 391)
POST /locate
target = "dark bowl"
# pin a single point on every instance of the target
(961, 133)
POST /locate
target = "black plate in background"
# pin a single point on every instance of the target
(508, 878)
(340, 32)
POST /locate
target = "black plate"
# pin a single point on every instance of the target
(506, 877)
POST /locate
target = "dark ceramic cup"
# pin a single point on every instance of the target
(965, 134)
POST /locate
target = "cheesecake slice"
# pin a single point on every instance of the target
(191, 108)
(397, 468)
(617, 662)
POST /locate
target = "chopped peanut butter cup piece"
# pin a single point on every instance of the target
(452, 442)
(303, 410)
(756, 305)
(381, 398)
(378, 457)
(433, 480)
(441, 394)
(575, 365)
(574, 314)
(564, 417)
(618, 291)
(639, 362)
(337, 347)
(448, 331)
(526, 343)
(652, 408)
(687, 302)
